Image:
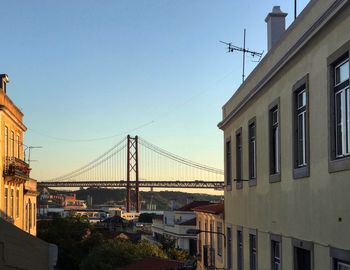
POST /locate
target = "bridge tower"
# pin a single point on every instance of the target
(132, 172)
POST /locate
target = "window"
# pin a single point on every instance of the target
(219, 237)
(252, 151)
(34, 215)
(239, 250)
(342, 109)
(228, 164)
(303, 254)
(253, 251)
(18, 146)
(206, 233)
(6, 201)
(340, 259)
(12, 203)
(239, 158)
(339, 104)
(274, 141)
(30, 214)
(301, 128)
(276, 252)
(212, 251)
(12, 144)
(199, 241)
(6, 142)
(229, 248)
(17, 203)
(26, 218)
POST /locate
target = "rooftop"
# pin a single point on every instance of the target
(194, 204)
(217, 208)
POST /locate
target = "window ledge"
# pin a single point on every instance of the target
(301, 172)
(252, 182)
(275, 177)
(239, 185)
(337, 165)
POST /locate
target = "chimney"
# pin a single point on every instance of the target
(4, 80)
(276, 25)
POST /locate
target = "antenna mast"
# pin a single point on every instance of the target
(232, 48)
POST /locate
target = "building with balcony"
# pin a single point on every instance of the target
(211, 237)
(287, 147)
(17, 189)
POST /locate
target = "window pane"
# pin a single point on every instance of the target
(238, 157)
(228, 163)
(301, 153)
(348, 120)
(339, 123)
(342, 72)
(252, 152)
(343, 266)
(301, 99)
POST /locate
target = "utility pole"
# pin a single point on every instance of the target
(232, 48)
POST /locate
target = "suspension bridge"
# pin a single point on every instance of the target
(135, 163)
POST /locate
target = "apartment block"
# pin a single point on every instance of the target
(17, 190)
(287, 147)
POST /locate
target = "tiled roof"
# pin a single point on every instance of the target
(190, 222)
(216, 208)
(154, 264)
(190, 206)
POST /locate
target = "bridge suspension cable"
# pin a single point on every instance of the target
(155, 163)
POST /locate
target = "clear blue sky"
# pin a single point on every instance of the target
(86, 69)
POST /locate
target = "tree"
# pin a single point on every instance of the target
(74, 236)
(116, 253)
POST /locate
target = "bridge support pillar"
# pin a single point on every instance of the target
(132, 172)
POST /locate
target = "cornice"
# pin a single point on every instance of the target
(298, 45)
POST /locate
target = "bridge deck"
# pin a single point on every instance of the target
(142, 184)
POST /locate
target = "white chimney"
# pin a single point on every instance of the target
(276, 25)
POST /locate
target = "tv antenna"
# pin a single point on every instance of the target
(232, 48)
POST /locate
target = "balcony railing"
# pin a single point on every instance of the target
(15, 166)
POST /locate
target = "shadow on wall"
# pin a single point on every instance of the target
(20, 250)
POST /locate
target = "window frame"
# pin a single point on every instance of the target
(228, 163)
(239, 158)
(302, 244)
(274, 176)
(6, 198)
(298, 87)
(339, 255)
(253, 233)
(275, 238)
(6, 139)
(17, 203)
(240, 248)
(219, 238)
(229, 260)
(12, 143)
(340, 55)
(252, 180)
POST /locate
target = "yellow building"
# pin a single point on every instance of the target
(211, 238)
(17, 191)
(287, 147)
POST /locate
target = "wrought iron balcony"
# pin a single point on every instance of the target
(16, 167)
